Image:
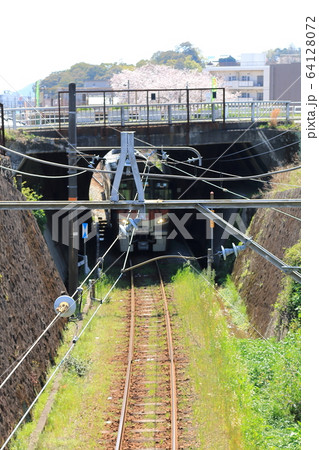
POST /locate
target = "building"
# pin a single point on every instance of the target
(285, 82)
(254, 80)
(11, 99)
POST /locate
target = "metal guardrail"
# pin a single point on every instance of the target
(146, 114)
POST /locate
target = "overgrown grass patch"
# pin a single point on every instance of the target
(234, 304)
(247, 391)
(274, 372)
(222, 410)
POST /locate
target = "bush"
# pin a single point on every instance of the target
(274, 371)
(39, 214)
(288, 304)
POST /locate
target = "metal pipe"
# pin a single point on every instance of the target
(157, 258)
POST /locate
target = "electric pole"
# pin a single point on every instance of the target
(72, 192)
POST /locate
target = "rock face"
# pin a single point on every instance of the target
(258, 281)
(29, 284)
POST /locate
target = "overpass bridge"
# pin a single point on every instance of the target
(140, 107)
(198, 118)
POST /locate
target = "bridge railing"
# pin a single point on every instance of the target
(146, 114)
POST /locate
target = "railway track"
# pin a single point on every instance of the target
(149, 409)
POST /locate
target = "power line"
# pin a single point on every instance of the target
(74, 340)
(30, 349)
(263, 153)
(23, 356)
(59, 365)
(152, 175)
(238, 195)
(249, 148)
(37, 175)
(216, 171)
(236, 140)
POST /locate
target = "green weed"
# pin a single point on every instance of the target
(247, 391)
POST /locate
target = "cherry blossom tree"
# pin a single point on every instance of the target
(155, 77)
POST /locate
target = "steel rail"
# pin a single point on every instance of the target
(174, 431)
(149, 204)
(173, 390)
(121, 428)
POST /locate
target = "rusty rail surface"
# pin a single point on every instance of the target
(148, 358)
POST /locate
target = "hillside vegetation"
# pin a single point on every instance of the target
(269, 294)
(185, 56)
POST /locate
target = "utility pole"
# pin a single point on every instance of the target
(210, 250)
(72, 192)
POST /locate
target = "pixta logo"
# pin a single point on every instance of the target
(170, 225)
(68, 220)
(181, 222)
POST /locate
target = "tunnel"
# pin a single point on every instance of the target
(245, 158)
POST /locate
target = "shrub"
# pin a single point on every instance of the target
(32, 195)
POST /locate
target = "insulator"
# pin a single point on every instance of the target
(229, 251)
(65, 306)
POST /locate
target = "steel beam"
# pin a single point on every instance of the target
(150, 204)
(249, 242)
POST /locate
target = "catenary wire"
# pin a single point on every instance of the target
(59, 365)
(260, 154)
(248, 148)
(30, 349)
(176, 162)
(238, 195)
(37, 175)
(236, 140)
(234, 178)
(26, 353)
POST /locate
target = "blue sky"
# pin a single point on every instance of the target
(43, 37)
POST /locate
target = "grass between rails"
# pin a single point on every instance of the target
(247, 390)
(84, 401)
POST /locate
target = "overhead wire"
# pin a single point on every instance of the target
(248, 148)
(58, 366)
(222, 172)
(26, 353)
(30, 349)
(74, 340)
(237, 194)
(263, 153)
(236, 140)
(151, 175)
(37, 175)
